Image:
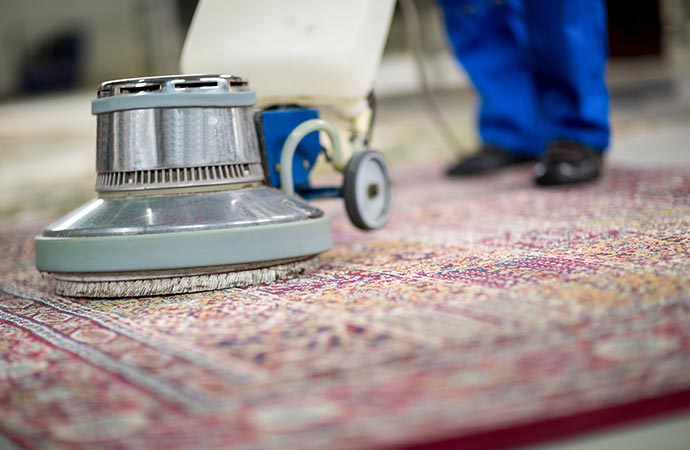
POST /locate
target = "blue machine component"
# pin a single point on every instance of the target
(277, 126)
(366, 186)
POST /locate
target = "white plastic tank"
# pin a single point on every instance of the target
(315, 52)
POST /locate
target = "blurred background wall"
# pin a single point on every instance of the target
(56, 45)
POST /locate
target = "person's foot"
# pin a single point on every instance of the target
(568, 162)
(489, 159)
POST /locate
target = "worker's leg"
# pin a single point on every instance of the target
(490, 41)
(568, 50)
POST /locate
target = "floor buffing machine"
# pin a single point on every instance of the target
(202, 184)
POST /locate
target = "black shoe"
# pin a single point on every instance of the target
(489, 159)
(568, 162)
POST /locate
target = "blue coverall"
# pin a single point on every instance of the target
(538, 66)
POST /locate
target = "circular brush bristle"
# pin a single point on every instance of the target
(180, 284)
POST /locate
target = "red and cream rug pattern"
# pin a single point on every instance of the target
(487, 312)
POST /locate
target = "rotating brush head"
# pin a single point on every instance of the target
(183, 202)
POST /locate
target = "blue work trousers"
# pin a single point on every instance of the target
(538, 66)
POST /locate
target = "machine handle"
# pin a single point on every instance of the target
(293, 140)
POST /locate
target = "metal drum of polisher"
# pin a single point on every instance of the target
(183, 201)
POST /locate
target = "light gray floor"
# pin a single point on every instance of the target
(672, 433)
(651, 124)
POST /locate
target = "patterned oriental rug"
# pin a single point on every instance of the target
(489, 314)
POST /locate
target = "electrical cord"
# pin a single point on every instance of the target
(371, 100)
(414, 41)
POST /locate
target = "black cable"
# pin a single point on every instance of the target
(414, 42)
(371, 100)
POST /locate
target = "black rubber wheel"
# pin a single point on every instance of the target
(367, 190)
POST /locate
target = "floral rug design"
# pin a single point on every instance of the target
(487, 305)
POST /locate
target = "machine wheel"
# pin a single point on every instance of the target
(367, 190)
